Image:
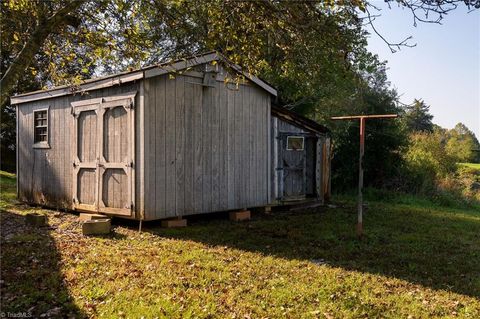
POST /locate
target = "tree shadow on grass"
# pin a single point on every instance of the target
(437, 249)
(32, 283)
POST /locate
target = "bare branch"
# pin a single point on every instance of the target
(394, 47)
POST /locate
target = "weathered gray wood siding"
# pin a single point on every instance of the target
(206, 148)
(45, 175)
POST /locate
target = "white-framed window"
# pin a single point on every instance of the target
(40, 128)
(295, 143)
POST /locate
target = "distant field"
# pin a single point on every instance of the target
(472, 165)
(417, 260)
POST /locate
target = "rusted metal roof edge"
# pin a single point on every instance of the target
(298, 119)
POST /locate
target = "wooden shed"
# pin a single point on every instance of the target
(167, 141)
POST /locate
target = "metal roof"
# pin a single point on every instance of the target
(298, 119)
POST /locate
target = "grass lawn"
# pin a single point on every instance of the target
(472, 165)
(416, 261)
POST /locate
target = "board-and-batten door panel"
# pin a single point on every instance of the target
(85, 150)
(104, 154)
(294, 166)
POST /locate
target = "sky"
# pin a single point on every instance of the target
(444, 67)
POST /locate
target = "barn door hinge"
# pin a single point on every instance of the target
(129, 164)
(130, 105)
(132, 206)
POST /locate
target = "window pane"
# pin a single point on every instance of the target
(40, 114)
(295, 143)
(41, 129)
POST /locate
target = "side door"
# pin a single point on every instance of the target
(293, 165)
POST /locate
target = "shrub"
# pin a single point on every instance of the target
(426, 161)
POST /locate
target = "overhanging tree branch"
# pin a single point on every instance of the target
(394, 47)
(24, 58)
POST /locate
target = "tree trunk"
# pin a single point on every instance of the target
(24, 58)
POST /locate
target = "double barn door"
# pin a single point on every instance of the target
(103, 153)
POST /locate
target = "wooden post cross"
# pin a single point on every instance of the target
(362, 119)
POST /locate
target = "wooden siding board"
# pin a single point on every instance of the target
(263, 149)
(151, 148)
(260, 146)
(51, 164)
(215, 145)
(33, 156)
(231, 147)
(266, 155)
(20, 154)
(139, 163)
(207, 149)
(16, 152)
(310, 173)
(269, 151)
(198, 168)
(238, 149)
(180, 145)
(62, 151)
(152, 145)
(160, 148)
(318, 167)
(245, 152)
(148, 179)
(26, 153)
(254, 167)
(37, 165)
(275, 158)
(189, 161)
(222, 146)
(252, 125)
(170, 146)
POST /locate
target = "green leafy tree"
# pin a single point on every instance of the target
(130, 33)
(462, 144)
(384, 139)
(417, 117)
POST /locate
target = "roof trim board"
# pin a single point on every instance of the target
(89, 85)
(148, 72)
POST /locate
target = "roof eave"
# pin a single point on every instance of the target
(148, 72)
(300, 120)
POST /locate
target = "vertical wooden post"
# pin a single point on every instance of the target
(362, 119)
(360, 179)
